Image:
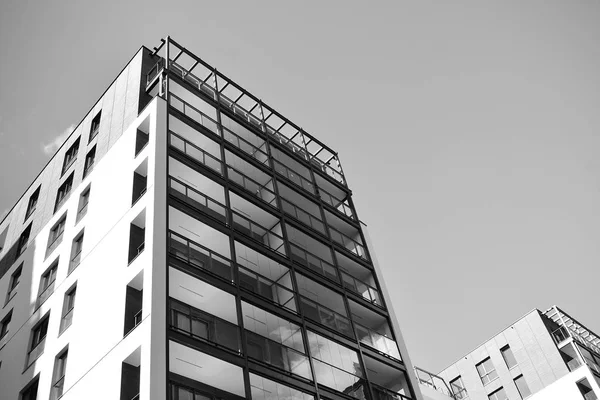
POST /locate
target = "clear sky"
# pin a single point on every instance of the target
(469, 131)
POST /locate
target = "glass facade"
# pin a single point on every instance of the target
(270, 278)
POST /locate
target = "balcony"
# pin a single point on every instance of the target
(277, 355)
(245, 140)
(265, 236)
(340, 206)
(199, 256)
(381, 393)
(261, 191)
(294, 177)
(313, 262)
(195, 152)
(197, 200)
(193, 113)
(377, 341)
(367, 292)
(338, 379)
(154, 71)
(204, 326)
(266, 288)
(302, 216)
(349, 244)
(325, 316)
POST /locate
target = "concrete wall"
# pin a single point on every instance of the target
(95, 339)
(566, 387)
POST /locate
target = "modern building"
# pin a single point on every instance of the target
(186, 242)
(542, 356)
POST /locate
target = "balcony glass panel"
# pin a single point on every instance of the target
(199, 256)
(293, 171)
(244, 139)
(197, 200)
(301, 208)
(325, 316)
(192, 106)
(253, 180)
(205, 85)
(346, 235)
(194, 152)
(336, 366)
(373, 330)
(266, 389)
(204, 326)
(311, 253)
(358, 279)
(388, 382)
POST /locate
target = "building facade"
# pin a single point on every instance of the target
(542, 356)
(186, 242)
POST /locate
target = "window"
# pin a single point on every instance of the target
(95, 127)
(486, 371)
(76, 252)
(130, 377)
(90, 158)
(30, 391)
(58, 380)
(33, 200)
(140, 180)
(522, 386)
(458, 388)
(5, 324)
(38, 337)
(56, 234)
(499, 394)
(84, 199)
(141, 140)
(509, 357)
(63, 192)
(23, 239)
(70, 156)
(47, 283)
(14, 283)
(133, 308)
(3, 237)
(137, 236)
(68, 306)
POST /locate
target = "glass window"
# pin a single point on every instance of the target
(58, 381)
(499, 394)
(5, 324)
(486, 371)
(458, 388)
(95, 126)
(76, 249)
(84, 199)
(522, 386)
(63, 192)
(23, 240)
(38, 336)
(70, 156)
(47, 283)
(508, 356)
(90, 159)
(266, 389)
(30, 392)
(14, 283)
(68, 306)
(33, 200)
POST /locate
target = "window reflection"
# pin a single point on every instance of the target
(266, 389)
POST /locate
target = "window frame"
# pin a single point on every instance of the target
(82, 207)
(95, 126)
(506, 350)
(24, 240)
(87, 165)
(70, 156)
(77, 239)
(63, 192)
(495, 394)
(68, 308)
(34, 383)
(60, 363)
(5, 324)
(55, 237)
(32, 203)
(519, 389)
(12, 286)
(46, 283)
(40, 341)
(487, 373)
(462, 393)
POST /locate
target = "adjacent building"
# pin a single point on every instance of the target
(187, 241)
(542, 356)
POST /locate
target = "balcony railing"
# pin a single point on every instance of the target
(288, 143)
(303, 216)
(338, 379)
(560, 334)
(313, 262)
(336, 203)
(277, 355)
(192, 79)
(381, 393)
(294, 177)
(349, 244)
(154, 71)
(257, 153)
(204, 326)
(197, 200)
(267, 288)
(260, 191)
(328, 170)
(257, 232)
(193, 113)
(195, 152)
(369, 293)
(326, 316)
(199, 256)
(377, 341)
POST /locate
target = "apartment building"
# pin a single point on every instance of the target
(187, 241)
(542, 356)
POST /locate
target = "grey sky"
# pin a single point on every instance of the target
(474, 125)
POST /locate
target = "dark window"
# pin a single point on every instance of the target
(458, 388)
(136, 241)
(30, 391)
(487, 371)
(3, 237)
(38, 336)
(141, 140)
(58, 380)
(522, 386)
(68, 306)
(33, 200)
(5, 324)
(56, 234)
(133, 309)
(139, 186)
(76, 252)
(63, 192)
(47, 283)
(499, 394)
(23, 239)
(95, 127)
(90, 158)
(70, 156)
(15, 278)
(84, 199)
(509, 357)
(130, 381)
